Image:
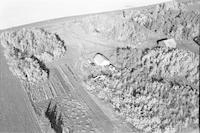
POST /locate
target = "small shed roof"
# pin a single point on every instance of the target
(170, 43)
(101, 60)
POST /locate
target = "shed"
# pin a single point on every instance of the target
(101, 60)
(171, 43)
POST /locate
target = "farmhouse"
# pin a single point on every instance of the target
(171, 43)
(101, 60)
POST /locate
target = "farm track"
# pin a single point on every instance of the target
(100, 119)
(59, 90)
(78, 45)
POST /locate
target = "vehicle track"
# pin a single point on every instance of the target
(100, 119)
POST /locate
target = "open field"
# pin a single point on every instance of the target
(147, 87)
(16, 113)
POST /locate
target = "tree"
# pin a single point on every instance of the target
(27, 51)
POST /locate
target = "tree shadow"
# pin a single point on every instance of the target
(42, 65)
(55, 119)
(63, 43)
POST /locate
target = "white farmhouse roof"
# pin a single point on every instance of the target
(101, 60)
(171, 43)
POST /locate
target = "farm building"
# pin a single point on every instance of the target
(101, 60)
(171, 43)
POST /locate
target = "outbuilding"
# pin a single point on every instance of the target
(171, 43)
(101, 60)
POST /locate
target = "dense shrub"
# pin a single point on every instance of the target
(37, 42)
(145, 90)
(27, 51)
(170, 19)
(29, 69)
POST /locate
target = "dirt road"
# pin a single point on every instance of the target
(98, 116)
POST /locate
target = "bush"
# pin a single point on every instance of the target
(27, 51)
(146, 90)
(170, 20)
(37, 42)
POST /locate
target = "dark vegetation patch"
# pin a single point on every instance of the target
(27, 51)
(54, 118)
(156, 89)
(171, 19)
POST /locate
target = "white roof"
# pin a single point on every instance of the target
(170, 43)
(101, 60)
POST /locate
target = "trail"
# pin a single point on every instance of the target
(98, 116)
